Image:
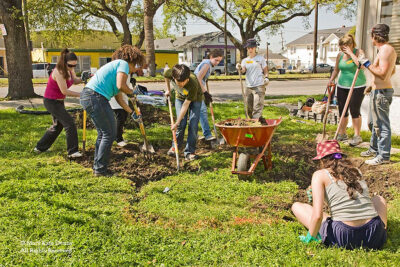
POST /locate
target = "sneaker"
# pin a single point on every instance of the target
(355, 141)
(210, 138)
(103, 174)
(171, 152)
(75, 155)
(37, 151)
(122, 143)
(342, 137)
(190, 157)
(368, 153)
(377, 161)
(201, 137)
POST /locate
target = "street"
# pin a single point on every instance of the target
(229, 90)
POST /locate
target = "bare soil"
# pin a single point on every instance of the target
(150, 115)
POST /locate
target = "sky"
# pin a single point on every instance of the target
(291, 31)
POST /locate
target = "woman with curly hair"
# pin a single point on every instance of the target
(109, 80)
(60, 80)
(355, 219)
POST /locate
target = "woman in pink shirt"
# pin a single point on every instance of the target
(60, 80)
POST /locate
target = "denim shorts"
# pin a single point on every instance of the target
(371, 235)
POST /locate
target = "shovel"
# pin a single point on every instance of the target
(347, 100)
(146, 147)
(220, 141)
(324, 136)
(174, 134)
(244, 96)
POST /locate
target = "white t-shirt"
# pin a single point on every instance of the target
(254, 70)
(113, 102)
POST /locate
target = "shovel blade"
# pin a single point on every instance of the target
(147, 149)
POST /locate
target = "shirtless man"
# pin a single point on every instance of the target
(381, 96)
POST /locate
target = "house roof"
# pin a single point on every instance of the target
(271, 55)
(189, 41)
(309, 37)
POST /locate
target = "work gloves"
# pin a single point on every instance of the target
(207, 98)
(364, 61)
(238, 66)
(266, 81)
(136, 118)
(309, 238)
(85, 75)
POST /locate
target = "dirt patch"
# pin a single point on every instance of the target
(129, 162)
(378, 178)
(245, 122)
(150, 115)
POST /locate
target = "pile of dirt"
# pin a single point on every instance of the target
(378, 178)
(129, 162)
(150, 115)
(244, 122)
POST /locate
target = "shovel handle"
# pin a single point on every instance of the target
(173, 133)
(84, 131)
(212, 113)
(330, 91)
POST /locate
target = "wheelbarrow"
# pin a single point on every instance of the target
(259, 136)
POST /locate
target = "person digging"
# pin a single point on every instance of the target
(188, 99)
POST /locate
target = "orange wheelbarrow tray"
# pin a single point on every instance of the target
(249, 136)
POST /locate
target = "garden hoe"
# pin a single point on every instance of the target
(146, 148)
(322, 137)
(243, 94)
(347, 100)
(220, 141)
(174, 134)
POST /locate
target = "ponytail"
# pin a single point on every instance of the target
(65, 56)
(344, 170)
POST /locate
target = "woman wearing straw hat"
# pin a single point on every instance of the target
(355, 219)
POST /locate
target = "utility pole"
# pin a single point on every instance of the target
(267, 54)
(226, 42)
(315, 37)
(282, 41)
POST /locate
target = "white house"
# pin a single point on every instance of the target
(300, 51)
(278, 60)
(196, 47)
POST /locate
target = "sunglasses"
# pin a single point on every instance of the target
(71, 65)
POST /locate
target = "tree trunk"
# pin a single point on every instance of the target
(139, 43)
(127, 32)
(148, 7)
(17, 52)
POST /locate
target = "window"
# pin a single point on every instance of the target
(221, 39)
(293, 49)
(390, 15)
(103, 61)
(54, 59)
(83, 63)
(38, 66)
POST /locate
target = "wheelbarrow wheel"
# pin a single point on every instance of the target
(243, 162)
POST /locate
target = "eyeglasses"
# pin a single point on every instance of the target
(71, 65)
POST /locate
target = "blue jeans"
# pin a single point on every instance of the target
(204, 120)
(194, 111)
(99, 110)
(379, 106)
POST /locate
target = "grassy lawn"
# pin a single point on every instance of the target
(55, 212)
(159, 77)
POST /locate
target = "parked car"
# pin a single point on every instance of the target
(216, 70)
(321, 68)
(42, 70)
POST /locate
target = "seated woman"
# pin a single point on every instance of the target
(356, 220)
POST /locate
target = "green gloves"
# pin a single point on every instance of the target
(309, 238)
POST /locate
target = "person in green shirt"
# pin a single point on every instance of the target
(189, 97)
(346, 63)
